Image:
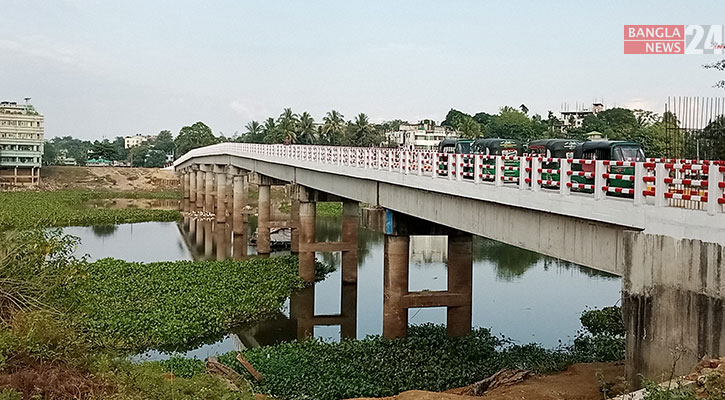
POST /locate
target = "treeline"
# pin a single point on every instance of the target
(645, 127)
(334, 130)
(152, 153)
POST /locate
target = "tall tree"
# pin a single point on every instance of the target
(192, 137)
(306, 129)
(720, 66)
(469, 128)
(271, 133)
(287, 125)
(333, 128)
(164, 142)
(254, 133)
(362, 132)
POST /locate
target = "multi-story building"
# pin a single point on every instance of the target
(424, 135)
(575, 118)
(136, 140)
(21, 143)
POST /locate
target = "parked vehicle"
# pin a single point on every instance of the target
(612, 150)
(552, 148)
(451, 146)
(498, 147)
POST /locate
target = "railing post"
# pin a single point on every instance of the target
(389, 154)
(714, 191)
(451, 162)
(660, 185)
(564, 168)
(419, 161)
(459, 167)
(405, 162)
(498, 180)
(599, 171)
(535, 174)
(434, 165)
(524, 163)
(476, 168)
(639, 173)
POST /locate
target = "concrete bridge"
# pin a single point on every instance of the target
(664, 235)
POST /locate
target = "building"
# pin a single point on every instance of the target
(136, 140)
(21, 143)
(424, 135)
(575, 118)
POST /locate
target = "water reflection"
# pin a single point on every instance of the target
(517, 293)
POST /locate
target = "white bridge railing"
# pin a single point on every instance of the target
(691, 184)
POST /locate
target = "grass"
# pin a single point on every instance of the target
(173, 305)
(333, 209)
(30, 210)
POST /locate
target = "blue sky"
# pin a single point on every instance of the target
(108, 68)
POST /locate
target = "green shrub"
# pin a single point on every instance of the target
(655, 391)
(427, 359)
(603, 337)
(173, 305)
(183, 367)
(10, 394)
(333, 209)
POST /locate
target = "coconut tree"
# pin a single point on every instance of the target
(363, 133)
(306, 129)
(254, 133)
(333, 128)
(270, 130)
(287, 125)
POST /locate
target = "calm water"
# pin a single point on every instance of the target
(520, 294)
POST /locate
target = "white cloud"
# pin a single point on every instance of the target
(50, 50)
(248, 110)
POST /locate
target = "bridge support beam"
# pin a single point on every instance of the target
(221, 194)
(263, 245)
(350, 218)
(395, 286)
(239, 202)
(200, 189)
(295, 231)
(307, 215)
(185, 175)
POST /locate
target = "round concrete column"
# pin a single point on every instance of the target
(192, 187)
(350, 217)
(239, 203)
(308, 212)
(185, 176)
(295, 231)
(263, 220)
(199, 190)
(395, 286)
(460, 279)
(221, 205)
(209, 191)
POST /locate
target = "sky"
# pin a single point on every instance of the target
(101, 68)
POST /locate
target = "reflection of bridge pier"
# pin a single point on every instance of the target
(302, 309)
(398, 299)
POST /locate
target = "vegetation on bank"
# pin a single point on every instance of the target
(331, 209)
(426, 360)
(31, 210)
(130, 305)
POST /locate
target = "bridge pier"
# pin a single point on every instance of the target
(192, 188)
(199, 188)
(221, 196)
(208, 189)
(263, 245)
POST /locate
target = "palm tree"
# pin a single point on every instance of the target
(333, 127)
(362, 131)
(306, 128)
(254, 133)
(271, 133)
(287, 124)
(469, 128)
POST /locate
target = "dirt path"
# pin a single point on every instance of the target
(115, 178)
(579, 382)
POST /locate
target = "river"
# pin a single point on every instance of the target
(519, 294)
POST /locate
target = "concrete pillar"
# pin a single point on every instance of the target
(199, 239)
(191, 234)
(348, 310)
(460, 276)
(208, 240)
(222, 237)
(199, 189)
(192, 189)
(221, 205)
(350, 217)
(239, 245)
(263, 220)
(209, 191)
(295, 232)
(239, 203)
(185, 175)
(307, 214)
(302, 309)
(395, 286)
